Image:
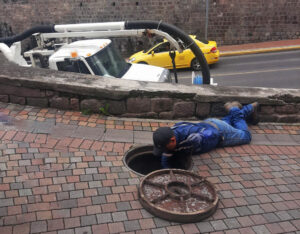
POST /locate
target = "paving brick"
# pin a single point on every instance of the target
(258, 219)
(232, 223)
(94, 209)
(10, 220)
(161, 222)
(283, 215)
(271, 217)
(287, 226)
(3, 211)
(38, 227)
(231, 212)
(63, 196)
(98, 200)
(21, 229)
(261, 229)
(159, 231)
(88, 220)
(175, 230)
(134, 214)
(55, 224)
(274, 228)
(6, 202)
(44, 215)
(190, 228)
(101, 228)
(243, 210)
(6, 230)
(76, 194)
(218, 225)
(63, 213)
(116, 227)
(132, 225)
(67, 231)
(104, 218)
(122, 206)
(72, 222)
(68, 204)
(83, 230)
(294, 213)
(119, 216)
(146, 223)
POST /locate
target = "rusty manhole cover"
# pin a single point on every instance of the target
(178, 195)
(140, 159)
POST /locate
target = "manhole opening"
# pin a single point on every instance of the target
(141, 160)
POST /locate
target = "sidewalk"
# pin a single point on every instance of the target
(262, 47)
(62, 172)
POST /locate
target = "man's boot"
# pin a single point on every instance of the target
(254, 118)
(229, 105)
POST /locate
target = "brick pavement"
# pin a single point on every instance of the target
(62, 172)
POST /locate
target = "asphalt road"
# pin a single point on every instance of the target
(277, 70)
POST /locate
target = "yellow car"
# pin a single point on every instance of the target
(159, 56)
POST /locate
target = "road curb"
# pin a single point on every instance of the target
(257, 51)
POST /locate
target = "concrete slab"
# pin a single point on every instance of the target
(114, 135)
(260, 139)
(95, 133)
(281, 139)
(63, 130)
(142, 137)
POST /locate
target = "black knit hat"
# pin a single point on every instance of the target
(161, 137)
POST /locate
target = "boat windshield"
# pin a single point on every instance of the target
(108, 62)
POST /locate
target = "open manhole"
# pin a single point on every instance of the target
(140, 159)
(178, 195)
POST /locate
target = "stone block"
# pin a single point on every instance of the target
(50, 93)
(166, 115)
(218, 109)
(138, 105)
(91, 105)
(3, 98)
(116, 107)
(40, 102)
(60, 103)
(286, 109)
(17, 100)
(161, 104)
(289, 118)
(202, 109)
(21, 91)
(74, 104)
(267, 109)
(184, 109)
(268, 117)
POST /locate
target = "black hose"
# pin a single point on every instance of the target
(27, 33)
(174, 32)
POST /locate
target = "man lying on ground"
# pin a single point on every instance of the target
(188, 138)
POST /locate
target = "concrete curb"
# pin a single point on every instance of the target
(257, 51)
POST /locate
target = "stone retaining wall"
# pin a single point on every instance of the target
(71, 91)
(230, 22)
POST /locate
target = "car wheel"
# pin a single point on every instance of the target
(195, 65)
(143, 63)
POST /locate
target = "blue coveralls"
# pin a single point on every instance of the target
(194, 138)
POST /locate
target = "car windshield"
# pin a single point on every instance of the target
(108, 62)
(163, 47)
